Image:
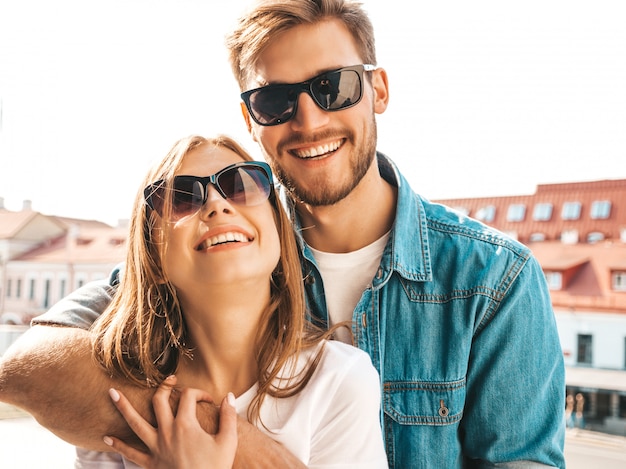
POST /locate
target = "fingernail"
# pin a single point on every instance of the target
(107, 441)
(230, 397)
(115, 396)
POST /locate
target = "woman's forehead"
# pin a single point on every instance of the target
(207, 159)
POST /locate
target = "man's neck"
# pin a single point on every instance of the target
(358, 220)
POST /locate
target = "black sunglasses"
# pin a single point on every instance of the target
(245, 183)
(332, 91)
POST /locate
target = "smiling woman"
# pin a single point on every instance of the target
(212, 291)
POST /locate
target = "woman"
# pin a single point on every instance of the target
(212, 291)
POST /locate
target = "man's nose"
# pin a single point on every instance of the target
(308, 114)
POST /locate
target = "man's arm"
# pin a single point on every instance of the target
(514, 411)
(50, 373)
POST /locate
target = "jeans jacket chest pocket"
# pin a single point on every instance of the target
(424, 402)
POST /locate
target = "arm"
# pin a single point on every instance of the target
(515, 403)
(41, 373)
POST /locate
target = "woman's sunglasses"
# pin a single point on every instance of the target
(332, 91)
(246, 183)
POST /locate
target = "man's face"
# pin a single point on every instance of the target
(319, 156)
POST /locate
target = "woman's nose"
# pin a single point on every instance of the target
(215, 203)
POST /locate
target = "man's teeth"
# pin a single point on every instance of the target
(317, 151)
(231, 236)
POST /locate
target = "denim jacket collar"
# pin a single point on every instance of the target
(400, 254)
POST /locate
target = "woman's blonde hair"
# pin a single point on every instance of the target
(267, 18)
(142, 333)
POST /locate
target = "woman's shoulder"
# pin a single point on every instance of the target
(344, 363)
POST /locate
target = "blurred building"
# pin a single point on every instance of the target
(43, 258)
(577, 232)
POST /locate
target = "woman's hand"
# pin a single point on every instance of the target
(178, 441)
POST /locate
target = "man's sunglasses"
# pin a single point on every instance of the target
(332, 91)
(246, 183)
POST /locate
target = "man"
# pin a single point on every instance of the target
(455, 316)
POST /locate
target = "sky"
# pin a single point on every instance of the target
(488, 97)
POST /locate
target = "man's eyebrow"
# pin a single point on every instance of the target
(260, 81)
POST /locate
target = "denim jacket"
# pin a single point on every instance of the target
(459, 324)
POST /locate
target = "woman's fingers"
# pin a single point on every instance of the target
(189, 397)
(132, 454)
(136, 422)
(227, 434)
(161, 402)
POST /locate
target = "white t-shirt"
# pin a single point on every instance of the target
(345, 277)
(334, 422)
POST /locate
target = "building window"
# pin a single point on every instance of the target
(537, 237)
(555, 280)
(542, 212)
(8, 288)
(600, 209)
(31, 291)
(516, 212)
(569, 237)
(62, 286)
(595, 237)
(571, 211)
(18, 288)
(619, 281)
(46, 294)
(585, 342)
(486, 214)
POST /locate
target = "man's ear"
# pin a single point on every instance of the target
(247, 119)
(380, 84)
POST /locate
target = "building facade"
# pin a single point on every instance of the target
(43, 258)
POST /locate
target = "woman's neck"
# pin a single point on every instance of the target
(222, 335)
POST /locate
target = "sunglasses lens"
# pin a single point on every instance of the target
(245, 185)
(273, 104)
(188, 196)
(337, 90)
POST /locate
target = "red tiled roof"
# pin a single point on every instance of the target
(94, 245)
(556, 194)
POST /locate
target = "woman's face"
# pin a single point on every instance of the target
(223, 243)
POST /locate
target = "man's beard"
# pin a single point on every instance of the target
(323, 193)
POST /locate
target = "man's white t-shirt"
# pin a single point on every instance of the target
(346, 276)
(334, 422)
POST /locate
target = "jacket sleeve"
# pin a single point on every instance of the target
(516, 380)
(81, 307)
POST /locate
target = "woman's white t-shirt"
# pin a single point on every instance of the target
(334, 422)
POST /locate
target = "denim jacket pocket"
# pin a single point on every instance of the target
(424, 402)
